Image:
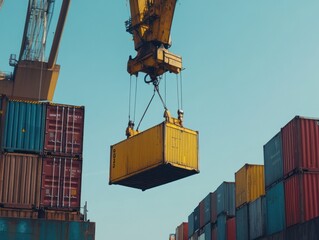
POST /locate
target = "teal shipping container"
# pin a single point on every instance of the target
(226, 199)
(191, 228)
(31, 229)
(242, 223)
(275, 200)
(24, 127)
(273, 160)
(221, 227)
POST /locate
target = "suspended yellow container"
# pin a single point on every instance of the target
(250, 183)
(157, 156)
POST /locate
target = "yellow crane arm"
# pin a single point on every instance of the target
(150, 24)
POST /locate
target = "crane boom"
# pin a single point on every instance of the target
(150, 24)
(34, 78)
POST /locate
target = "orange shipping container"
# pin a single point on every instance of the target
(20, 180)
(250, 183)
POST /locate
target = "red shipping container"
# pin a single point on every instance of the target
(202, 214)
(300, 142)
(213, 213)
(64, 130)
(182, 231)
(301, 197)
(61, 183)
(231, 229)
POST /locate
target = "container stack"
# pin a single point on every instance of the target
(250, 187)
(40, 160)
(182, 232)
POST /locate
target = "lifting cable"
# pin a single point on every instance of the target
(177, 88)
(130, 99)
(181, 80)
(138, 126)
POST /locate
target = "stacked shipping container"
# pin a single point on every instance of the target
(250, 187)
(41, 159)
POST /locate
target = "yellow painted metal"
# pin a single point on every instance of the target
(32, 81)
(165, 147)
(250, 183)
(150, 25)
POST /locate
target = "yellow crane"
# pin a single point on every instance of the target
(168, 151)
(33, 77)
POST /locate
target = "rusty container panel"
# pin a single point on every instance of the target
(60, 215)
(305, 231)
(182, 231)
(61, 183)
(231, 228)
(300, 139)
(250, 183)
(18, 213)
(64, 130)
(39, 229)
(20, 180)
(24, 127)
(301, 197)
(157, 156)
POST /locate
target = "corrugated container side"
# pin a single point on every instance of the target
(191, 228)
(273, 160)
(60, 215)
(300, 144)
(275, 201)
(213, 212)
(196, 218)
(242, 223)
(173, 155)
(231, 228)
(201, 214)
(257, 218)
(208, 231)
(202, 236)
(250, 183)
(207, 209)
(221, 227)
(20, 180)
(194, 236)
(3, 101)
(226, 199)
(31, 229)
(61, 183)
(24, 127)
(306, 231)
(302, 198)
(172, 237)
(18, 213)
(64, 130)
(182, 232)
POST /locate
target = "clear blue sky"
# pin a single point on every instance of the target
(251, 66)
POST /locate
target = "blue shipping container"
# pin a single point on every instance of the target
(275, 199)
(242, 223)
(221, 227)
(31, 229)
(257, 218)
(196, 218)
(191, 229)
(273, 160)
(208, 231)
(24, 127)
(226, 199)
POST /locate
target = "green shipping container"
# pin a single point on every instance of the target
(30, 229)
